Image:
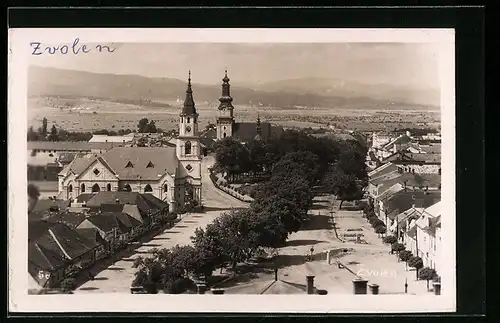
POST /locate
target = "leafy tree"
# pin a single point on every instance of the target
(44, 128)
(299, 163)
(32, 135)
(257, 152)
(390, 239)
(183, 260)
(234, 233)
(405, 256)
(33, 196)
(427, 274)
(381, 229)
(292, 187)
(231, 156)
(376, 222)
(287, 211)
(270, 230)
(150, 127)
(53, 134)
(141, 127)
(149, 273)
(345, 186)
(209, 247)
(397, 247)
(416, 262)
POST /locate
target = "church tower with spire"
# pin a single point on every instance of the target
(188, 150)
(225, 118)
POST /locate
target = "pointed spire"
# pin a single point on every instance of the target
(225, 79)
(225, 99)
(189, 107)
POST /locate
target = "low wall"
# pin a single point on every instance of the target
(245, 199)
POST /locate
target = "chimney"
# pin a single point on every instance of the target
(275, 274)
(310, 284)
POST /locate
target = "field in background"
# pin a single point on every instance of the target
(83, 114)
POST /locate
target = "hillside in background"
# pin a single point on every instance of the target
(282, 94)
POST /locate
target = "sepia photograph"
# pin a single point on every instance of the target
(179, 162)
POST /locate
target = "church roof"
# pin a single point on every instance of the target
(164, 160)
(246, 131)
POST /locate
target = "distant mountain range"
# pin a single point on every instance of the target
(307, 92)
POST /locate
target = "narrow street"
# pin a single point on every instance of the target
(118, 277)
(373, 260)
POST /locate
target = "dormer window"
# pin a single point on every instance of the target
(150, 165)
(129, 165)
(96, 172)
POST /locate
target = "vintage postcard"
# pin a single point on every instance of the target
(231, 170)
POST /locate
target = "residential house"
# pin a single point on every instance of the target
(150, 207)
(114, 139)
(403, 200)
(54, 246)
(109, 226)
(424, 236)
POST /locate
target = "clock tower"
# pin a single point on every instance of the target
(225, 119)
(188, 150)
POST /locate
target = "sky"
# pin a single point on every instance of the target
(383, 63)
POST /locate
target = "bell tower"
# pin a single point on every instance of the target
(225, 118)
(188, 149)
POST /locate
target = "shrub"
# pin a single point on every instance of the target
(427, 274)
(405, 255)
(178, 286)
(397, 247)
(380, 229)
(390, 239)
(416, 262)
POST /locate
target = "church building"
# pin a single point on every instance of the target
(172, 174)
(226, 125)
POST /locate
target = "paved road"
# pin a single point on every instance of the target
(118, 277)
(372, 260)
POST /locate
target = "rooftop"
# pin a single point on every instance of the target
(68, 145)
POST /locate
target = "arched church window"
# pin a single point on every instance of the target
(224, 135)
(108, 187)
(187, 148)
(127, 188)
(188, 119)
(95, 188)
(165, 188)
(148, 189)
(82, 188)
(70, 188)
